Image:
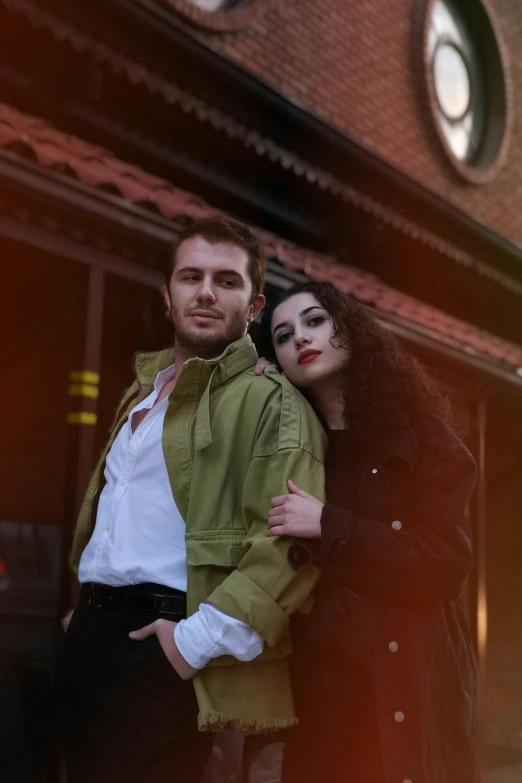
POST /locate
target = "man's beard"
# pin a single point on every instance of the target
(209, 345)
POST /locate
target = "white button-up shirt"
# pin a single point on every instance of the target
(139, 535)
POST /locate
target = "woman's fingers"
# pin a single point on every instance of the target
(295, 490)
(277, 530)
(262, 365)
(279, 500)
(277, 518)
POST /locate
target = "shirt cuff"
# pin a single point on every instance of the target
(210, 633)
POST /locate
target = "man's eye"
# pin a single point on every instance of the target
(228, 283)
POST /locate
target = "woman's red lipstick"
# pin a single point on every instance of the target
(307, 356)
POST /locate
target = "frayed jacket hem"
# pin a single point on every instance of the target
(216, 721)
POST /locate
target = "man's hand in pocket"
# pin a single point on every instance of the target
(164, 630)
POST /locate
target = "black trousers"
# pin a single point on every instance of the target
(123, 713)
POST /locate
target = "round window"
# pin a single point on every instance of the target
(466, 84)
(214, 14)
(452, 81)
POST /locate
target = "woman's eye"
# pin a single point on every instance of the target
(283, 338)
(316, 320)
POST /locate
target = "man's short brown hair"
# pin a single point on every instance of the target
(228, 231)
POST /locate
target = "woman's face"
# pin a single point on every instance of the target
(302, 333)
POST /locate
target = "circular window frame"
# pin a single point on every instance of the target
(244, 15)
(449, 43)
(492, 151)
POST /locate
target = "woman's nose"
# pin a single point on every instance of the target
(301, 339)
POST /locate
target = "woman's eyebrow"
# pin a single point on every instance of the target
(280, 326)
(303, 312)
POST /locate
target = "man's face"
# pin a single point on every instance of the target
(209, 296)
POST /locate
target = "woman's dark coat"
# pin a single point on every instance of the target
(394, 566)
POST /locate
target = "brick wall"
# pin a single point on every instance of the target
(352, 63)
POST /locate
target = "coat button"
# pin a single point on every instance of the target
(407, 781)
(374, 470)
(396, 525)
(393, 646)
(399, 717)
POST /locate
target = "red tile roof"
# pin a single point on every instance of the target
(99, 168)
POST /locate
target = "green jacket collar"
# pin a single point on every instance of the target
(235, 359)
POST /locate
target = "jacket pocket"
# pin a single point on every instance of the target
(211, 557)
(215, 548)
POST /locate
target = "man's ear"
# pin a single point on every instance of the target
(164, 293)
(256, 306)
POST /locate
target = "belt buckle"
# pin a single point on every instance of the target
(170, 605)
(163, 605)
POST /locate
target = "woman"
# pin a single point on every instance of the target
(383, 667)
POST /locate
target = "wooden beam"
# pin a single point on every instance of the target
(67, 248)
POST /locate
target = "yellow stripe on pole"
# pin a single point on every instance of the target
(84, 376)
(81, 417)
(84, 390)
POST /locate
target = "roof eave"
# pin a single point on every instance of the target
(109, 212)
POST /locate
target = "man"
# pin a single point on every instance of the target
(174, 526)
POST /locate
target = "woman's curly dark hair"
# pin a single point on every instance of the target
(383, 381)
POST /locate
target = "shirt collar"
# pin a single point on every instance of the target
(164, 376)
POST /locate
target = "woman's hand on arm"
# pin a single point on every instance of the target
(263, 365)
(296, 514)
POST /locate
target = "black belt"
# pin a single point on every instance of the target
(172, 603)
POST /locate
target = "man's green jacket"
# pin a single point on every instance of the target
(231, 440)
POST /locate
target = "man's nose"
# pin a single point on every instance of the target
(206, 291)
